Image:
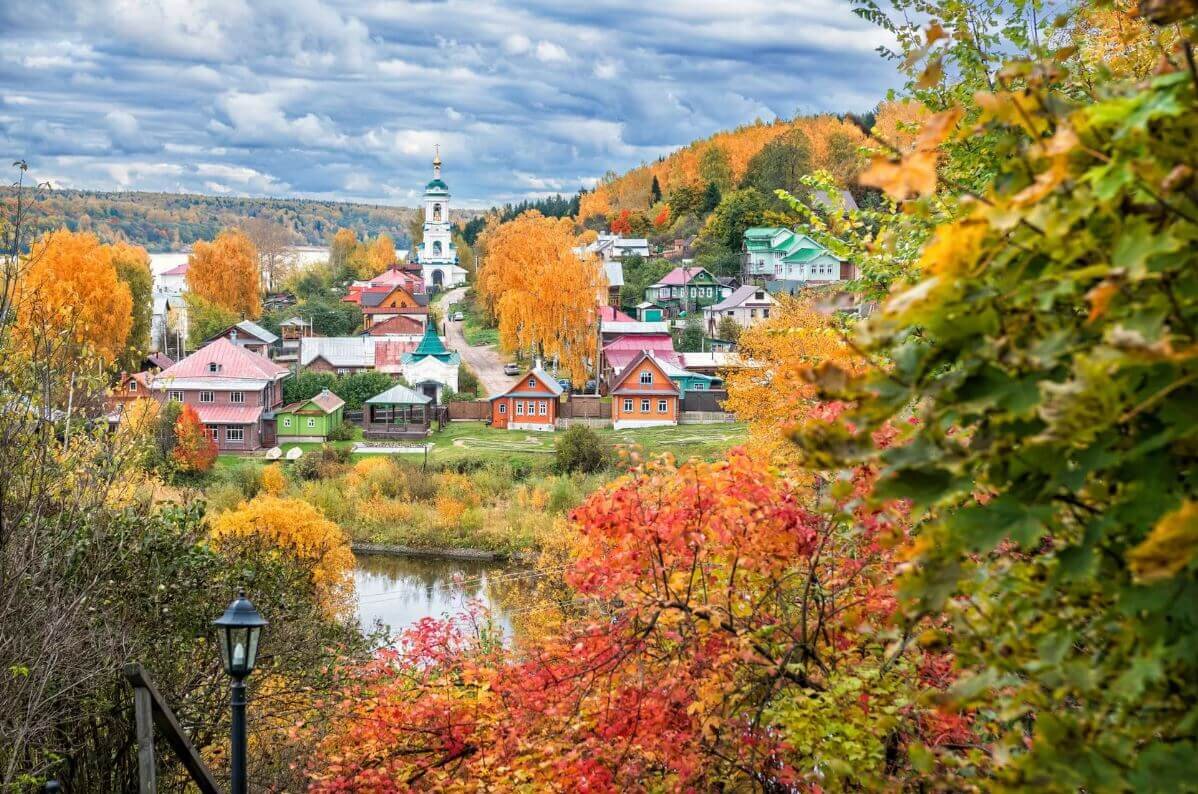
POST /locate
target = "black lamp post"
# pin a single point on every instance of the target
(239, 629)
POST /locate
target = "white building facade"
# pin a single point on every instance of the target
(436, 254)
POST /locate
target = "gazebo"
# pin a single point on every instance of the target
(398, 412)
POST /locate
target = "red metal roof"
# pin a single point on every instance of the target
(680, 276)
(655, 342)
(400, 324)
(177, 270)
(609, 314)
(385, 310)
(234, 361)
(228, 414)
(388, 353)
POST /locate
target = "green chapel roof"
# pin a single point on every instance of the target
(436, 184)
(430, 345)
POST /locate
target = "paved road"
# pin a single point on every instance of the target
(484, 360)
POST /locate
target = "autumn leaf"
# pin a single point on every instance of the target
(1100, 298)
(914, 175)
(1170, 546)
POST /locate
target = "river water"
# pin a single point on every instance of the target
(396, 592)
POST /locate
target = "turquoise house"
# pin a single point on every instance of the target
(310, 420)
(773, 253)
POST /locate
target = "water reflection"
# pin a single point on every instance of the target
(395, 592)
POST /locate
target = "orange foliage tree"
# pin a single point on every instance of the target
(226, 272)
(379, 256)
(70, 301)
(771, 389)
(300, 530)
(195, 449)
(542, 293)
(827, 134)
(623, 223)
(724, 628)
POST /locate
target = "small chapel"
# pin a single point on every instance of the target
(436, 253)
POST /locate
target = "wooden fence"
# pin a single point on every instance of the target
(477, 410)
(704, 401)
(585, 407)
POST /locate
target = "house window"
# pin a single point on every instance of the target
(503, 408)
(286, 421)
(532, 383)
(628, 406)
(543, 407)
(213, 367)
(661, 406)
(132, 385)
(644, 406)
(765, 312)
(311, 421)
(235, 434)
(646, 377)
(236, 396)
(753, 313)
(207, 397)
(177, 396)
(519, 408)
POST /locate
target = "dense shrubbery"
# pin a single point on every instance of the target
(579, 449)
(355, 389)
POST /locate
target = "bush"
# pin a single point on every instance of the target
(342, 432)
(579, 449)
(419, 485)
(245, 477)
(564, 495)
(323, 463)
(468, 382)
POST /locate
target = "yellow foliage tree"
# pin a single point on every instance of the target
(226, 272)
(70, 301)
(898, 123)
(274, 482)
(543, 294)
(772, 391)
(379, 256)
(341, 247)
(296, 528)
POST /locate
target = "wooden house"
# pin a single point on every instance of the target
(310, 420)
(644, 395)
(530, 404)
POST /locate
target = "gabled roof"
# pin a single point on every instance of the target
(414, 310)
(232, 361)
(430, 345)
(160, 360)
(338, 351)
(639, 343)
(326, 401)
(618, 379)
(177, 270)
(251, 328)
(298, 322)
(740, 296)
(681, 276)
(540, 374)
(400, 324)
(400, 394)
(609, 313)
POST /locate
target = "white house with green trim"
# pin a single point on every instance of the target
(771, 253)
(431, 368)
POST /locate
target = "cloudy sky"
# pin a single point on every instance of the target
(344, 100)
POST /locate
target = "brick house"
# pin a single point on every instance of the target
(531, 404)
(644, 395)
(234, 390)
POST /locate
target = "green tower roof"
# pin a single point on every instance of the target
(436, 184)
(430, 345)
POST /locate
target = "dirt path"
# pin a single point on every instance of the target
(484, 360)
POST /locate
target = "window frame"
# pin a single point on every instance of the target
(286, 421)
(519, 408)
(211, 396)
(502, 408)
(239, 438)
(237, 397)
(628, 405)
(542, 407)
(311, 422)
(662, 407)
(646, 377)
(176, 396)
(645, 405)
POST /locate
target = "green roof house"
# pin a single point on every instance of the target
(310, 420)
(431, 368)
(684, 289)
(772, 253)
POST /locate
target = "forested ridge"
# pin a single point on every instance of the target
(171, 221)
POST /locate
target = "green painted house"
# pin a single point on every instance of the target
(772, 253)
(685, 289)
(310, 420)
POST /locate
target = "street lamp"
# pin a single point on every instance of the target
(239, 629)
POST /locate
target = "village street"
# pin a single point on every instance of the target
(484, 360)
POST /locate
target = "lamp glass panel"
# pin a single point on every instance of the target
(252, 657)
(238, 647)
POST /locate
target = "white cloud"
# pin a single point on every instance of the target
(548, 52)
(606, 70)
(516, 44)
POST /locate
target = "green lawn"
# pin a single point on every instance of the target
(477, 440)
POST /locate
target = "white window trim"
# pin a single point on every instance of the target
(519, 408)
(211, 397)
(543, 407)
(662, 407)
(644, 406)
(532, 382)
(503, 408)
(240, 431)
(628, 405)
(177, 396)
(237, 397)
(311, 421)
(646, 377)
(286, 421)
